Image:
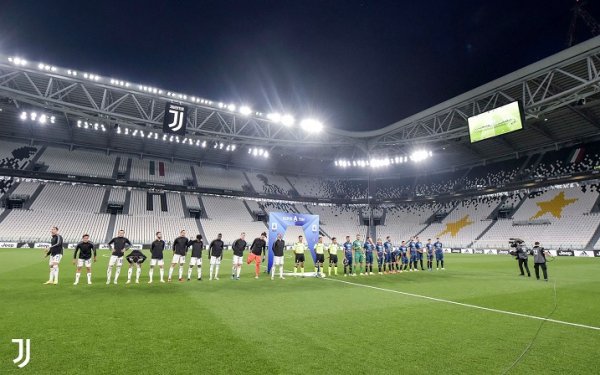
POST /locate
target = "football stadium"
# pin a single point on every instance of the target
(146, 230)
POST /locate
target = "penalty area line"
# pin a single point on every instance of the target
(469, 305)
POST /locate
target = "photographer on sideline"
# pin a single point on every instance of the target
(539, 260)
(521, 254)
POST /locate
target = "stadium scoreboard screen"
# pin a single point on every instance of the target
(498, 121)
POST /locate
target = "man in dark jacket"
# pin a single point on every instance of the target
(522, 258)
(257, 251)
(196, 259)
(180, 248)
(539, 260)
(278, 247)
(238, 248)
(215, 254)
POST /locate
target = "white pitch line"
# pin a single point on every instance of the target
(469, 305)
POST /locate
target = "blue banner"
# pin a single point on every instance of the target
(278, 223)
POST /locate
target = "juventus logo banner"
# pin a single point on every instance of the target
(175, 119)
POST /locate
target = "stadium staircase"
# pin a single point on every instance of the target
(127, 201)
(537, 161)
(296, 193)
(321, 231)
(115, 172)
(128, 169)
(104, 204)
(524, 165)
(596, 207)
(250, 187)
(110, 230)
(253, 215)
(4, 214)
(194, 177)
(201, 230)
(518, 206)
(149, 202)
(203, 214)
(35, 158)
(164, 207)
(589, 246)
(36, 193)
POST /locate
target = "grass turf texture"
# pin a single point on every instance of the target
(299, 326)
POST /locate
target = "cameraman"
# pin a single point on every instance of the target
(539, 260)
(522, 256)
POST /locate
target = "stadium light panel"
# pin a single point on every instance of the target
(288, 120)
(245, 110)
(231, 107)
(203, 144)
(23, 116)
(419, 155)
(275, 117)
(311, 125)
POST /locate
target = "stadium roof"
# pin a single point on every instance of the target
(559, 93)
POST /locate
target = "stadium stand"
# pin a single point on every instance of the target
(80, 162)
(269, 183)
(230, 217)
(151, 170)
(559, 218)
(313, 187)
(220, 178)
(14, 155)
(339, 221)
(407, 220)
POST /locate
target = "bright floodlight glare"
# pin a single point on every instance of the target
(245, 110)
(287, 120)
(266, 154)
(419, 155)
(23, 116)
(231, 107)
(311, 125)
(275, 117)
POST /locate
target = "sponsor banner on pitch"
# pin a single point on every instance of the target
(597, 253)
(41, 245)
(8, 245)
(455, 251)
(447, 250)
(503, 252)
(584, 253)
(103, 246)
(136, 246)
(24, 245)
(466, 251)
(490, 251)
(565, 253)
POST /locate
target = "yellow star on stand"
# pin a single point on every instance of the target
(455, 227)
(553, 206)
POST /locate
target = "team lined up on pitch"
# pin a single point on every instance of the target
(358, 256)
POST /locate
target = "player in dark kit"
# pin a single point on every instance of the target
(258, 250)
(429, 251)
(419, 247)
(180, 248)
(404, 256)
(196, 258)
(156, 251)
(85, 249)
(348, 256)
(215, 254)
(238, 247)
(278, 247)
(55, 251)
(412, 247)
(369, 246)
(380, 256)
(539, 260)
(439, 254)
(135, 258)
(390, 257)
(119, 244)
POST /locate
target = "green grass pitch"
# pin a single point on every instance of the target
(300, 326)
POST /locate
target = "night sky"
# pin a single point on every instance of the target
(356, 65)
